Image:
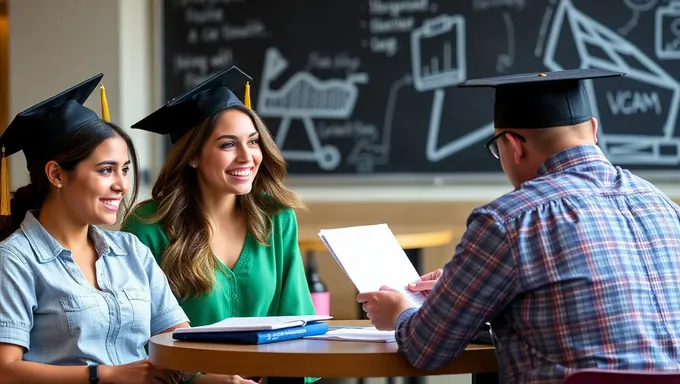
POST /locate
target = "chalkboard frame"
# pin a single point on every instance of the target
(491, 179)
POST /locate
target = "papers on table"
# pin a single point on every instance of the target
(371, 257)
(366, 334)
(241, 324)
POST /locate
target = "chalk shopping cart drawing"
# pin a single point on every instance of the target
(305, 97)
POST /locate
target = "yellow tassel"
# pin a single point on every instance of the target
(105, 103)
(4, 186)
(247, 97)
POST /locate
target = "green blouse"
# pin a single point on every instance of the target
(266, 281)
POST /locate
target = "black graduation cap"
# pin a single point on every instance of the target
(210, 97)
(37, 129)
(541, 100)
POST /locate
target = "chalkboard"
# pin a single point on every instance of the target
(368, 87)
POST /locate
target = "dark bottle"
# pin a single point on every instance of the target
(320, 295)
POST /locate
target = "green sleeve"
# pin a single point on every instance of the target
(295, 296)
(151, 235)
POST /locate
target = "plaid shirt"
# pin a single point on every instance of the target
(576, 268)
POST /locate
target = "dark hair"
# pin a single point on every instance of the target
(68, 153)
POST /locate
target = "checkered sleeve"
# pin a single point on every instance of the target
(477, 283)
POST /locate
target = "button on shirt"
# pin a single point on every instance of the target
(49, 308)
(578, 268)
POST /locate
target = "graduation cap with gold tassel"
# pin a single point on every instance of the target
(207, 99)
(37, 129)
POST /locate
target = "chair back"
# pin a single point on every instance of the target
(603, 376)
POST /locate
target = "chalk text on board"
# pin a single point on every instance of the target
(628, 102)
(483, 5)
(341, 60)
(395, 8)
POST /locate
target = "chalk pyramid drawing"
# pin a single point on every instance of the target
(620, 148)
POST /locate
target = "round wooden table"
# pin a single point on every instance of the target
(307, 358)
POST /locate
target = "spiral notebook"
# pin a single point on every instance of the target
(371, 257)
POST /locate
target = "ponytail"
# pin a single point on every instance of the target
(25, 198)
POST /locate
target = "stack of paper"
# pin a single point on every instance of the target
(371, 257)
(367, 334)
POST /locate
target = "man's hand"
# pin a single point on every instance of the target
(384, 307)
(426, 283)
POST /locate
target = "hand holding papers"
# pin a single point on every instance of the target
(371, 257)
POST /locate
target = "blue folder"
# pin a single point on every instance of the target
(256, 337)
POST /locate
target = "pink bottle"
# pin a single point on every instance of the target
(320, 295)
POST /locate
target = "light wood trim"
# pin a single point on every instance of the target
(307, 358)
(408, 238)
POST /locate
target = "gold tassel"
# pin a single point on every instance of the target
(247, 97)
(105, 104)
(4, 186)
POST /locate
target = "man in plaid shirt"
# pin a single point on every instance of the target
(578, 267)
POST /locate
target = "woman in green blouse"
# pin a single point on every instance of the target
(220, 222)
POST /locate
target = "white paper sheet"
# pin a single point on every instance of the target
(367, 334)
(371, 257)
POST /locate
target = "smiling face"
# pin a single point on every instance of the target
(230, 158)
(94, 190)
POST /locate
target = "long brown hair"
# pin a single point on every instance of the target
(188, 261)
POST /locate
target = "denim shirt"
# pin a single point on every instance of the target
(49, 308)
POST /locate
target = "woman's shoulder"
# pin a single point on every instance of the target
(140, 216)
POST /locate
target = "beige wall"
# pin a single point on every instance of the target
(56, 44)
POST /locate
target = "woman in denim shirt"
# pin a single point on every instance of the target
(74, 295)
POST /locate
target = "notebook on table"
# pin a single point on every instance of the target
(255, 330)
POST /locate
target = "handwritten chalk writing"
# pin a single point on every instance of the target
(483, 5)
(252, 28)
(387, 46)
(347, 129)
(628, 103)
(210, 35)
(191, 79)
(184, 3)
(395, 8)
(341, 60)
(203, 15)
(404, 24)
(188, 63)
(222, 59)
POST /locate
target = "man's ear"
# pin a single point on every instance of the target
(517, 148)
(54, 173)
(595, 124)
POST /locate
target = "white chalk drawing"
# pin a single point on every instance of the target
(431, 47)
(507, 59)
(305, 97)
(667, 31)
(366, 154)
(637, 6)
(432, 39)
(545, 24)
(619, 148)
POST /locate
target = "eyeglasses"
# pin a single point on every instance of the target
(492, 144)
